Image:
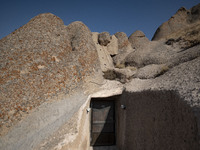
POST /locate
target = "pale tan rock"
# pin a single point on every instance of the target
(180, 20)
(105, 59)
(104, 38)
(138, 39)
(152, 71)
(123, 44)
(112, 47)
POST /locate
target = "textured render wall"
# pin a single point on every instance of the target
(120, 124)
(42, 123)
(82, 138)
(73, 135)
(157, 120)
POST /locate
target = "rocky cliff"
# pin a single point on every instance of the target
(182, 19)
(41, 61)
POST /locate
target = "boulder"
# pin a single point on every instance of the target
(123, 75)
(138, 39)
(159, 53)
(78, 34)
(151, 71)
(105, 59)
(123, 43)
(125, 49)
(151, 53)
(119, 60)
(112, 47)
(104, 38)
(184, 56)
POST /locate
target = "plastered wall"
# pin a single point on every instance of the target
(156, 120)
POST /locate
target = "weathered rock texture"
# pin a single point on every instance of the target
(125, 49)
(186, 37)
(113, 46)
(123, 43)
(180, 20)
(138, 39)
(104, 38)
(40, 61)
(151, 71)
(195, 11)
(159, 53)
(106, 62)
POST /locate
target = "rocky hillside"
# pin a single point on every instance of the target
(137, 57)
(46, 61)
(182, 19)
(41, 61)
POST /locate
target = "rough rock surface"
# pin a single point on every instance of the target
(123, 75)
(119, 60)
(104, 38)
(151, 53)
(125, 49)
(186, 37)
(138, 39)
(40, 61)
(184, 56)
(151, 71)
(181, 19)
(105, 59)
(112, 47)
(123, 43)
(160, 53)
(195, 13)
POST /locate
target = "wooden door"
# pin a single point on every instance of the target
(102, 123)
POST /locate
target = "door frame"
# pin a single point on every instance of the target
(113, 99)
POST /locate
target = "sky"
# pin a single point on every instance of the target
(99, 15)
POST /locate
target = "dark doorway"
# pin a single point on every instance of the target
(102, 122)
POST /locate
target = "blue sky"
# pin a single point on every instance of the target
(99, 15)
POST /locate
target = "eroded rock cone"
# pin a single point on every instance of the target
(138, 39)
(123, 43)
(183, 18)
(43, 59)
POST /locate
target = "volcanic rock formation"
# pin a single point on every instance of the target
(42, 60)
(180, 20)
(50, 73)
